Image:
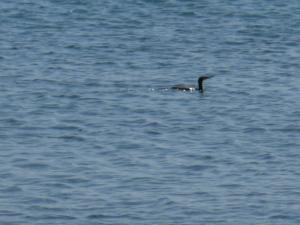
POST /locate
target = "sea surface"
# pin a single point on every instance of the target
(91, 133)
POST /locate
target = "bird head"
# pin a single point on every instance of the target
(202, 78)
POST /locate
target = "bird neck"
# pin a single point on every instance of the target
(200, 83)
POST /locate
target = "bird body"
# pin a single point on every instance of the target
(184, 87)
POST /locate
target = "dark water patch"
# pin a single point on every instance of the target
(11, 189)
(58, 185)
(105, 216)
(254, 130)
(153, 132)
(34, 166)
(40, 201)
(73, 46)
(68, 96)
(68, 138)
(205, 158)
(284, 217)
(231, 186)
(66, 128)
(52, 217)
(197, 168)
(5, 174)
(288, 129)
(76, 180)
(9, 213)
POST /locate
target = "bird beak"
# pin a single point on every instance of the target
(207, 77)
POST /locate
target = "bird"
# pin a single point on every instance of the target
(184, 87)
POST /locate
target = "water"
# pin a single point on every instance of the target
(91, 134)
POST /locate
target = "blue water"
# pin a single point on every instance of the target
(90, 132)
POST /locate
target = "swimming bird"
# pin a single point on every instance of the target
(184, 87)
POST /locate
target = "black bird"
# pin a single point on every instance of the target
(184, 87)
